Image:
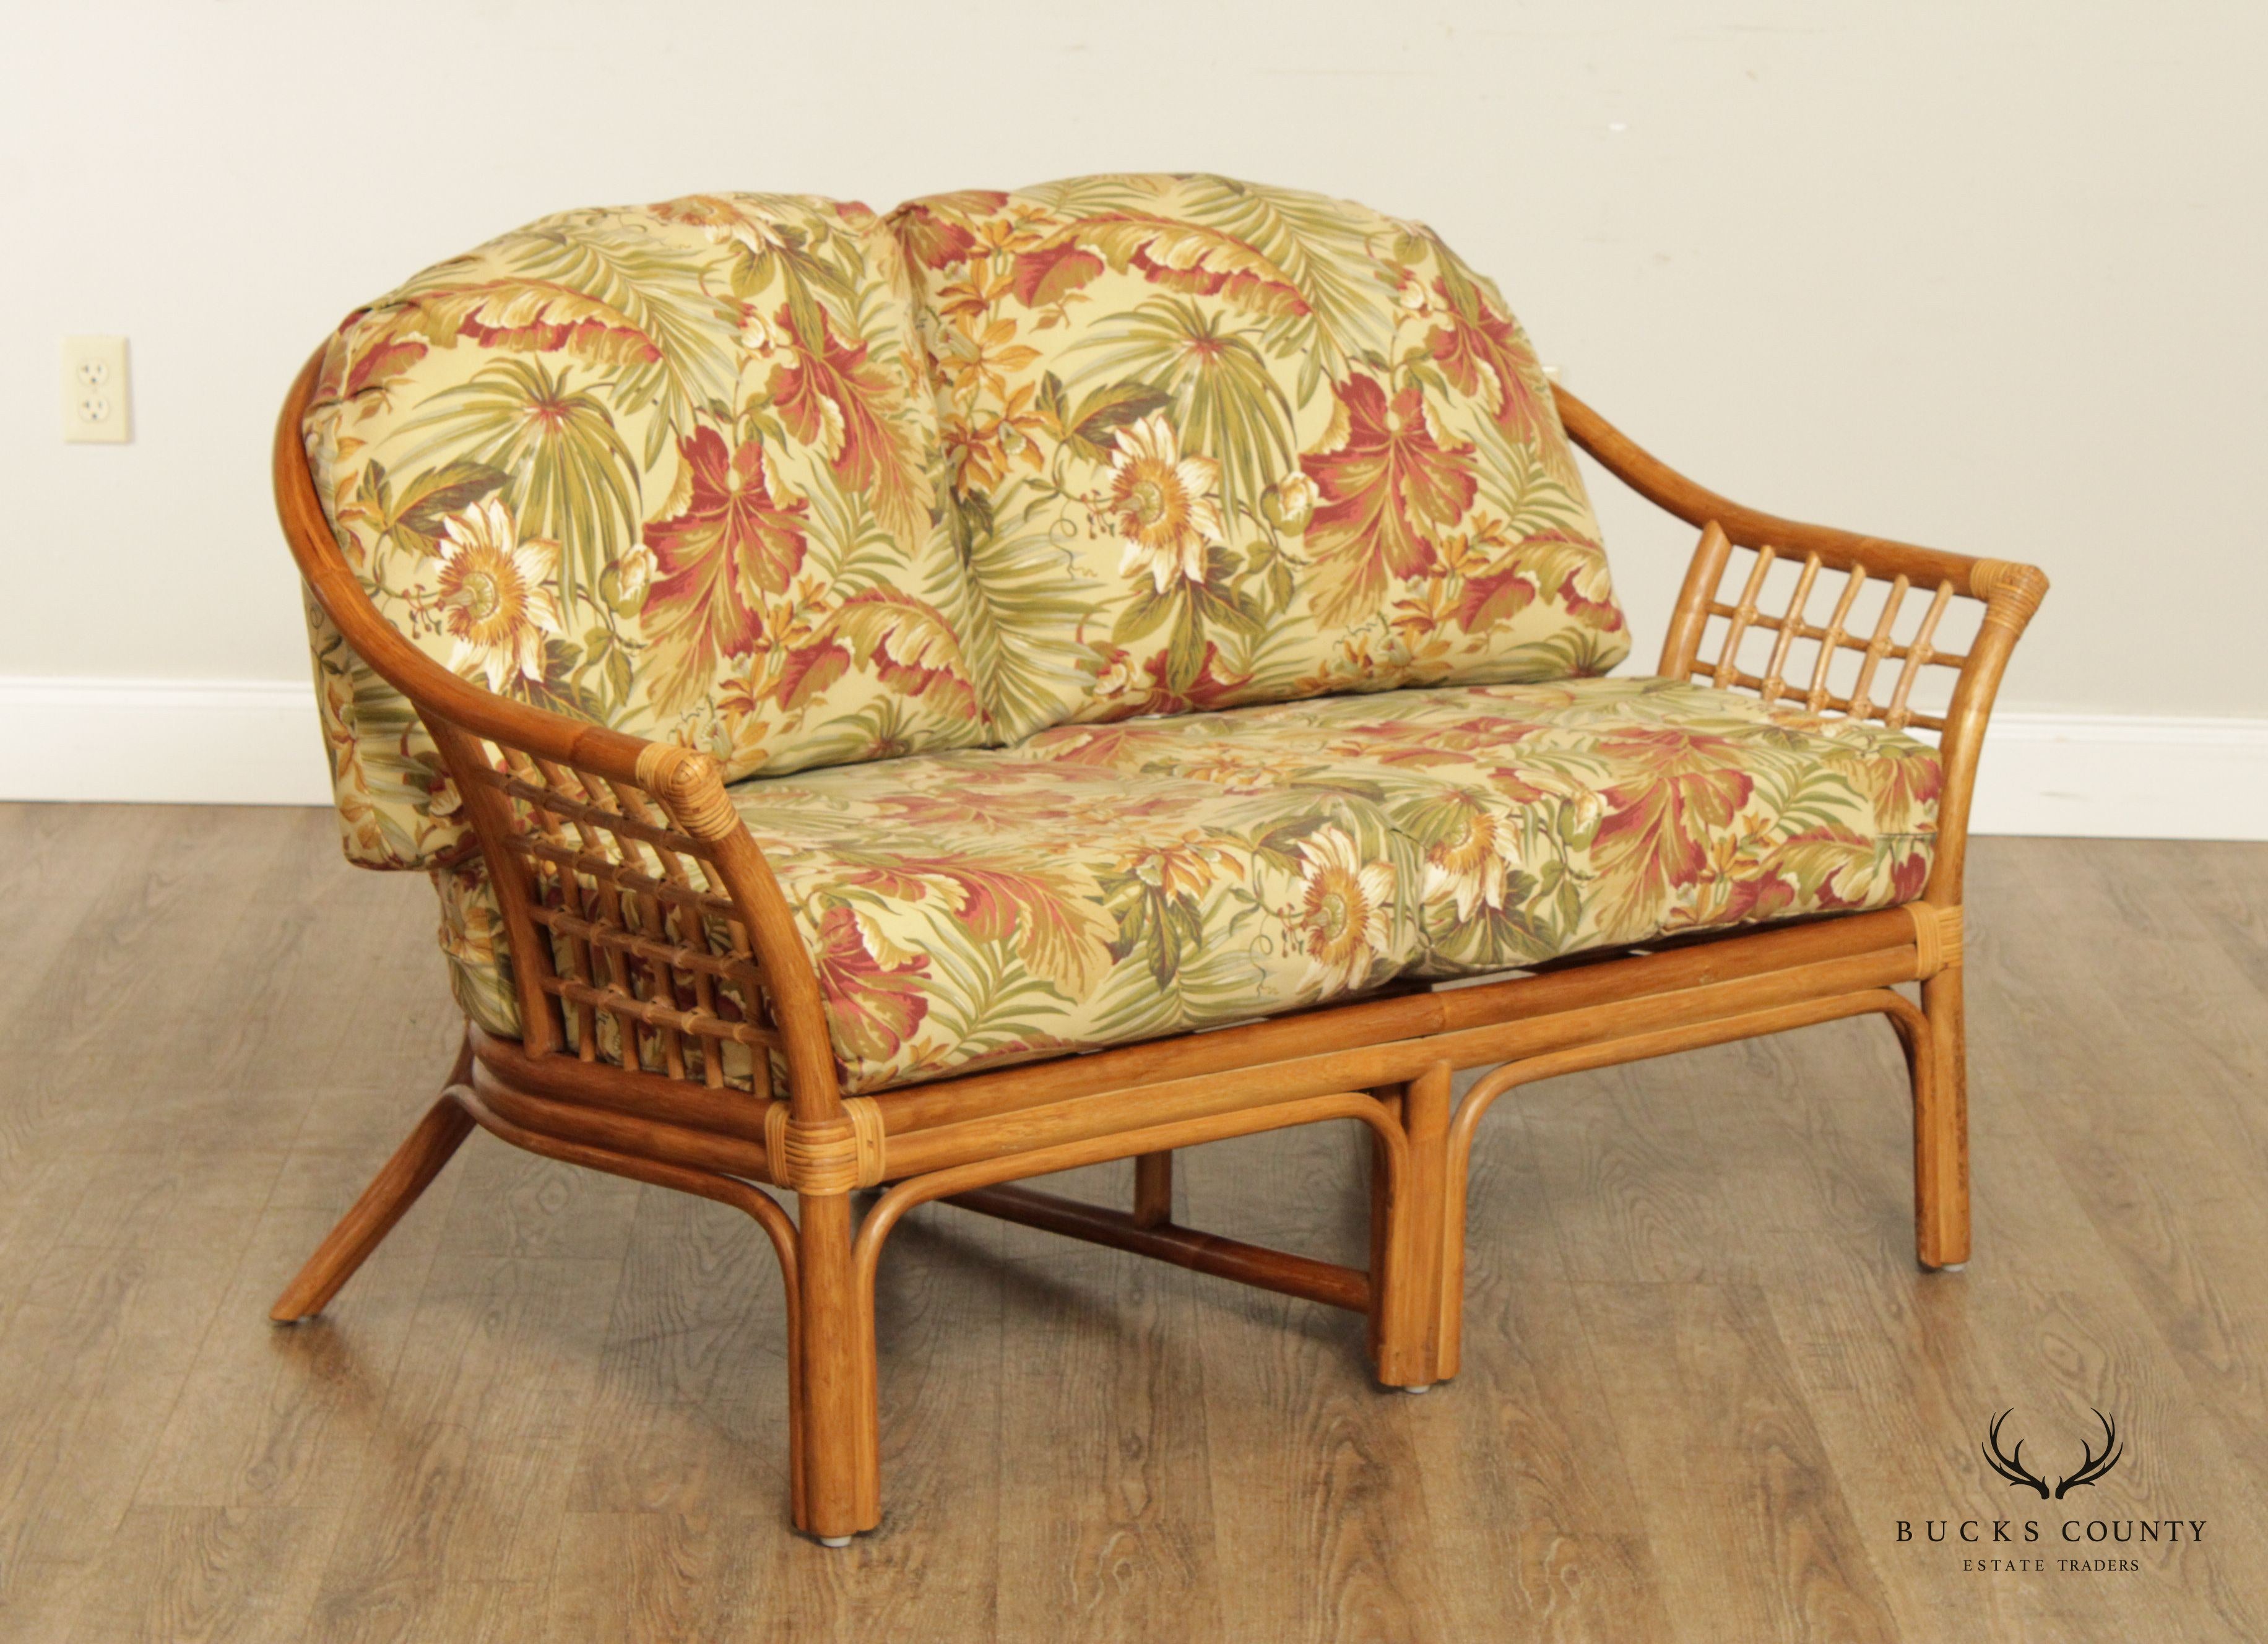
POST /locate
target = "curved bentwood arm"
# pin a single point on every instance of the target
(627, 883)
(1876, 605)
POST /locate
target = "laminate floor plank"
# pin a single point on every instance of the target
(210, 1575)
(1628, 1176)
(1530, 1497)
(1809, 1135)
(680, 1523)
(1106, 1492)
(689, 1417)
(1323, 1480)
(938, 1560)
(1703, 1379)
(92, 1357)
(1753, 1538)
(467, 1462)
(2181, 1213)
(269, 1416)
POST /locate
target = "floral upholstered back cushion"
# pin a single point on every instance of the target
(1213, 444)
(673, 468)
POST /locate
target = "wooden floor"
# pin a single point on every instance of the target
(1704, 1382)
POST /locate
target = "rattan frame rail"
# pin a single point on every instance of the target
(659, 972)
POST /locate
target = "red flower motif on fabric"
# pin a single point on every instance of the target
(1496, 595)
(735, 541)
(1210, 688)
(1905, 784)
(1654, 838)
(1762, 895)
(833, 397)
(872, 1006)
(1910, 877)
(1387, 488)
(1180, 256)
(375, 367)
(1482, 352)
(1056, 927)
(935, 238)
(908, 645)
(1046, 276)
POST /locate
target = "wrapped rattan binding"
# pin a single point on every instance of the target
(831, 1156)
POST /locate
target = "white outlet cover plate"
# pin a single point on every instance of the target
(98, 407)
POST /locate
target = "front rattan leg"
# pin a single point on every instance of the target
(392, 1191)
(841, 1448)
(1940, 1119)
(1409, 1293)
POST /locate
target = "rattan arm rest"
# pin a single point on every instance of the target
(557, 769)
(1751, 527)
(2010, 591)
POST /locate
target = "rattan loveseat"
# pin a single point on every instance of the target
(909, 703)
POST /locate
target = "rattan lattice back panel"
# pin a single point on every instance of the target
(649, 961)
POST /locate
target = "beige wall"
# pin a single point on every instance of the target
(1989, 276)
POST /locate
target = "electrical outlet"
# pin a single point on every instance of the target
(96, 405)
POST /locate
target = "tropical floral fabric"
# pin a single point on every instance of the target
(755, 473)
(1550, 819)
(970, 908)
(1212, 444)
(1100, 884)
(674, 469)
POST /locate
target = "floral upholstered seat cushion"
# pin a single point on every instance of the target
(674, 469)
(970, 908)
(974, 908)
(1213, 444)
(1098, 885)
(1552, 819)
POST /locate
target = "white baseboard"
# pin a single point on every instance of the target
(256, 742)
(2105, 776)
(221, 742)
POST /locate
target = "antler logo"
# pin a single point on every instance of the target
(2012, 1469)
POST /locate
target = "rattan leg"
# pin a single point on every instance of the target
(842, 1470)
(1382, 1222)
(1409, 1295)
(1153, 1189)
(392, 1191)
(1941, 1126)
